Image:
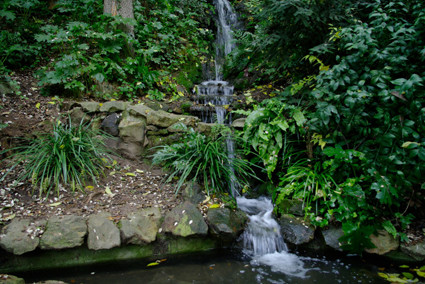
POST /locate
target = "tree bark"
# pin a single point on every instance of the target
(123, 8)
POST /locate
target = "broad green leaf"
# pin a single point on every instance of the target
(389, 227)
(299, 117)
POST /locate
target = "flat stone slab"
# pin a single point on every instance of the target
(295, 230)
(20, 236)
(141, 227)
(64, 232)
(11, 279)
(185, 220)
(103, 234)
(113, 106)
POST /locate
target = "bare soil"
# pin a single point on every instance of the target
(126, 187)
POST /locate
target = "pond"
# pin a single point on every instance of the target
(227, 266)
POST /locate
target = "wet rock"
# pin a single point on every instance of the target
(193, 193)
(239, 123)
(185, 220)
(64, 232)
(416, 251)
(89, 107)
(141, 227)
(295, 230)
(110, 124)
(331, 237)
(18, 237)
(294, 207)
(226, 224)
(103, 234)
(113, 106)
(383, 242)
(10, 279)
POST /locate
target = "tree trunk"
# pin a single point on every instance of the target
(123, 8)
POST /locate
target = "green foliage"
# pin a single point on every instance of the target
(70, 155)
(267, 130)
(280, 33)
(204, 159)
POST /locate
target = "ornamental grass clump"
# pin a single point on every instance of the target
(204, 159)
(70, 155)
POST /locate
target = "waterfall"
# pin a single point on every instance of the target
(216, 95)
(262, 240)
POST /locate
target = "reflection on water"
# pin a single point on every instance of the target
(223, 267)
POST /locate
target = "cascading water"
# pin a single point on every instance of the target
(262, 240)
(216, 95)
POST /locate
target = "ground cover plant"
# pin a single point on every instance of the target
(70, 155)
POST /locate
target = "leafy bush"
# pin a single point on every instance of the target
(70, 155)
(204, 159)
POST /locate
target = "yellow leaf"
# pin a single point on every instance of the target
(10, 217)
(113, 100)
(114, 162)
(37, 105)
(324, 68)
(408, 143)
(152, 264)
(52, 103)
(55, 204)
(109, 192)
(130, 174)
(112, 173)
(100, 104)
(139, 171)
(89, 187)
(215, 206)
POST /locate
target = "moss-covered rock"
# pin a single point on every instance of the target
(185, 220)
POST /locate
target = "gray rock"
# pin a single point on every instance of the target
(383, 242)
(185, 220)
(110, 124)
(177, 127)
(294, 207)
(239, 123)
(164, 119)
(226, 224)
(64, 232)
(89, 107)
(77, 115)
(295, 230)
(103, 234)
(11, 279)
(131, 150)
(51, 282)
(141, 227)
(20, 236)
(139, 110)
(205, 128)
(113, 106)
(331, 237)
(416, 251)
(193, 193)
(132, 128)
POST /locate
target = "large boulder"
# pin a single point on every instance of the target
(383, 242)
(141, 227)
(103, 234)
(64, 232)
(185, 220)
(331, 237)
(20, 236)
(225, 223)
(132, 128)
(295, 230)
(164, 119)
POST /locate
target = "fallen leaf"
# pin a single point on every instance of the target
(37, 105)
(52, 103)
(215, 206)
(152, 264)
(56, 204)
(89, 187)
(130, 174)
(112, 173)
(10, 217)
(109, 192)
(139, 171)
